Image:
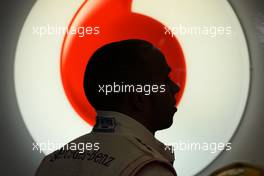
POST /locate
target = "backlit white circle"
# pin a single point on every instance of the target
(216, 91)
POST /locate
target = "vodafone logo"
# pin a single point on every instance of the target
(120, 23)
(213, 72)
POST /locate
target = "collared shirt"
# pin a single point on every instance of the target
(127, 148)
(128, 126)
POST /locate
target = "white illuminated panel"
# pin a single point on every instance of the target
(45, 109)
(217, 76)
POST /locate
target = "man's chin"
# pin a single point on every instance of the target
(170, 124)
(174, 109)
(167, 125)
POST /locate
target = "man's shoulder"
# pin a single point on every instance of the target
(113, 141)
(155, 168)
(121, 153)
(121, 147)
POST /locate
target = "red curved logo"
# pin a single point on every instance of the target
(116, 22)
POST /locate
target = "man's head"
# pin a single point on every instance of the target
(131, 77)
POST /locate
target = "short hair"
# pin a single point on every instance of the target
(124, 61)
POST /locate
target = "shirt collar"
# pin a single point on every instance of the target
(127, 125)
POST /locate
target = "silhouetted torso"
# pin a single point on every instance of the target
(126, 148)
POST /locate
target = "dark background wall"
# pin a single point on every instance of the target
(17, 157)
(248, 141)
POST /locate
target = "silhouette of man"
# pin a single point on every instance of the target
(127, 83)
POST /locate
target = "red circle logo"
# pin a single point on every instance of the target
(113, 21)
